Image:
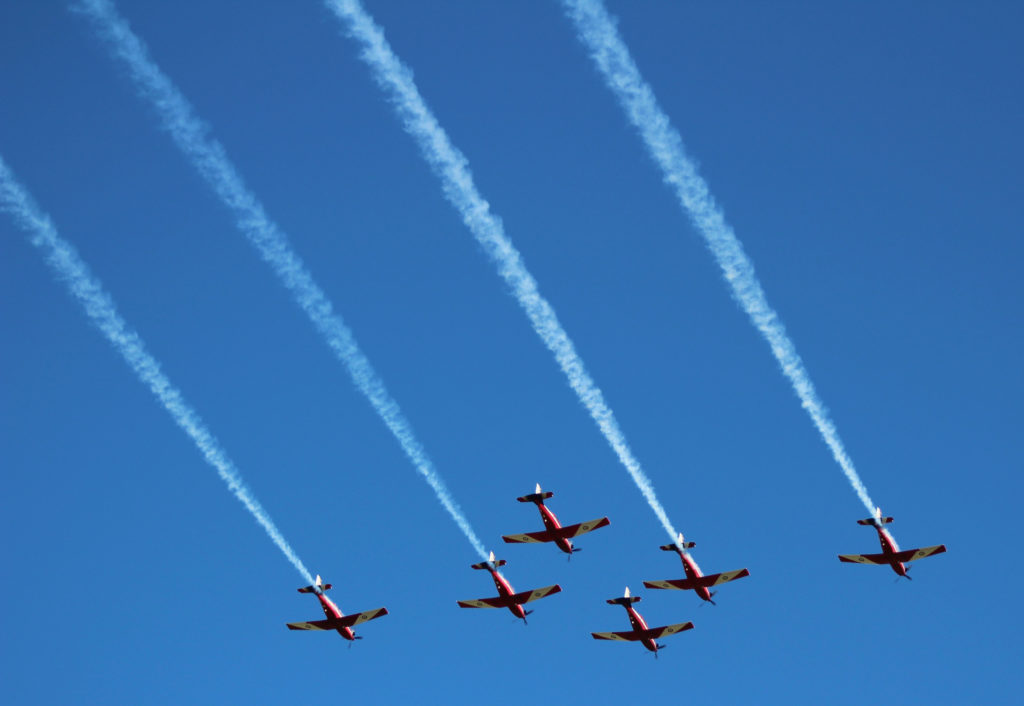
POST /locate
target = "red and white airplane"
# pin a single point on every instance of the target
(507, 598)
(640, 633)
(891, 553)
(336, 620)
(695, 580)
(553, 530)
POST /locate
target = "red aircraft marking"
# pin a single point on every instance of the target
(695, 580)
(507, 597)
(891, 553)
(553, 530)
(336, 620)
(640, 633)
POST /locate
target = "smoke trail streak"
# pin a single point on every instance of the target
(451, 166)
(191, 136)
(69, 267)
(598, 33)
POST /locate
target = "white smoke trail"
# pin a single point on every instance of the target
(451, 167)
(70, 268)
(191, 135)
(598, 33)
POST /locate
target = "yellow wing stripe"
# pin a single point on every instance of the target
(858, 558)
(927, 551)
(306, 626)
(521, 538)
(727, 576)
(609, 636)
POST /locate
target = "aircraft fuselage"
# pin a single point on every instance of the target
(505, 591)
(889, 549)
(640, 625)
(332, 611)
(552, 524)
(693, 572)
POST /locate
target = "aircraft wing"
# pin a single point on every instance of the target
(315, 625)
(705, 581)
(496, 602)
(346, 621)
(349, 621)
(582, 528)
(914, 554)
(535, 594)
(630, 636)
(529, 537)
(655, 633)
(864, 558)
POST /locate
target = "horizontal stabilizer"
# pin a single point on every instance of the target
(316, 588)
(488, 565)
(702, 582)
(535, 497)
(674, 548)
(875, 521)
(665, 631)
(623, 600)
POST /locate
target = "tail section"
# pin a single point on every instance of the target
(318, 587)
(626, 599)
(877, 520)
(679, 545)
(490, 564)
(536, 497)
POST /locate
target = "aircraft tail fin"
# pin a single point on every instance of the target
(490, 564)
(535, 497)
(318, 587)
(680, 544)
(876, 520)
(623, 600)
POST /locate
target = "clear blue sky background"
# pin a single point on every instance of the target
(868, 157)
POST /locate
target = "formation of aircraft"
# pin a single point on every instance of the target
(507, 597)
(695, 580)
(553, 531)
(646, 636)
(891, 553)
(336, 620)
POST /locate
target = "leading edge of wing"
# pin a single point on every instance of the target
(346, 621)
(529, 537)
(705, 581)
(314, 625)
(496, 602)
(666, 630)
(915, 554)
(583, 527)
(535, 594)
(864, 558)
(630, 636)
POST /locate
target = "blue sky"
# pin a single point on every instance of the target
(867, 158)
